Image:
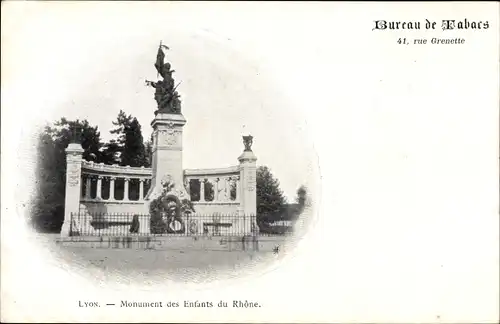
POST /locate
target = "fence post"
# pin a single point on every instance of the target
(74, 153)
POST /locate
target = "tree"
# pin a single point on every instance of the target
(134, 152)
(270, 199)
(65, 131)
(129, 148)
(46, 214)
(302, 198)
(148, 150)
(111, 152)
(48, 206)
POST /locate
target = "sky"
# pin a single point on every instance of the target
(226, 91)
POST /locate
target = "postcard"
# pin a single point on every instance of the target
(298, 162)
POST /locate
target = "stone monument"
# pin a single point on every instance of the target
(167, 133)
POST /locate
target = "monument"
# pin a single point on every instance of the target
(167, 132)
(178, 201)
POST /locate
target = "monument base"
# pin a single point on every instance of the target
(167, 186)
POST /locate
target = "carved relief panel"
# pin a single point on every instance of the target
(169, 135)
(251, 179)
(73, 174)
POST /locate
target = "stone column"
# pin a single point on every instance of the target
(248, 176)
(88, 185)
(99, 188)
(167, 152)
(216, 189)
(237, 181)
(125, 189)
(74, 153)
(141, 189)
(202, 189)
(187, 185)
(227, 189)
(112, 188)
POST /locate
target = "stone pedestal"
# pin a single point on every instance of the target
(248, 188)
(167, 153)
(74, 153)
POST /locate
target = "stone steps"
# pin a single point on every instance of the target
(162, 242)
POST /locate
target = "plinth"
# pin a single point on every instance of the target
(167, 154)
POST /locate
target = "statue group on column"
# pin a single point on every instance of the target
(166, 96)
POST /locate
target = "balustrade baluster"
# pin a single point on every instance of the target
(112, 188)
(125, 190)
(237, 180)
(216, 190)
(88, 185)
(202, 190)
(99, 187)
(141, 189)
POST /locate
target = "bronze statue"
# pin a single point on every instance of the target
(248, 141)
(166, 96)
(134, 227)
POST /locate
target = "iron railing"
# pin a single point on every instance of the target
(124, 224)
(133, 224)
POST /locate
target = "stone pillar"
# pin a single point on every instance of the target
(125, 189)
(167, 152)
(202, 189)
(112, 188)
(141, 189)
(216, 189)
(74, 153)
(227, 189)
(88, 185)
(98, 194)
(187, 185)
(238, 194)
(248, 186)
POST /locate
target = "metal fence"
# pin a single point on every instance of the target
(126, 224)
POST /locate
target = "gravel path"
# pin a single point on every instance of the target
(187, 265)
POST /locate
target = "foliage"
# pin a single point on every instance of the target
(48, 206)
(187, 206)
(166, 209)
(302, 198)
(270, 199)
(111, 152)
(157, 225)
(129, 148)
(148, 153)
(265, 228)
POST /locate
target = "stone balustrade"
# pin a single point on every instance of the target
(114, 188)
(114, 183)
(98, 168)
(213, 186)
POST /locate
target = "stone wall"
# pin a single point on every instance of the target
(130, 207)
(227, 208)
